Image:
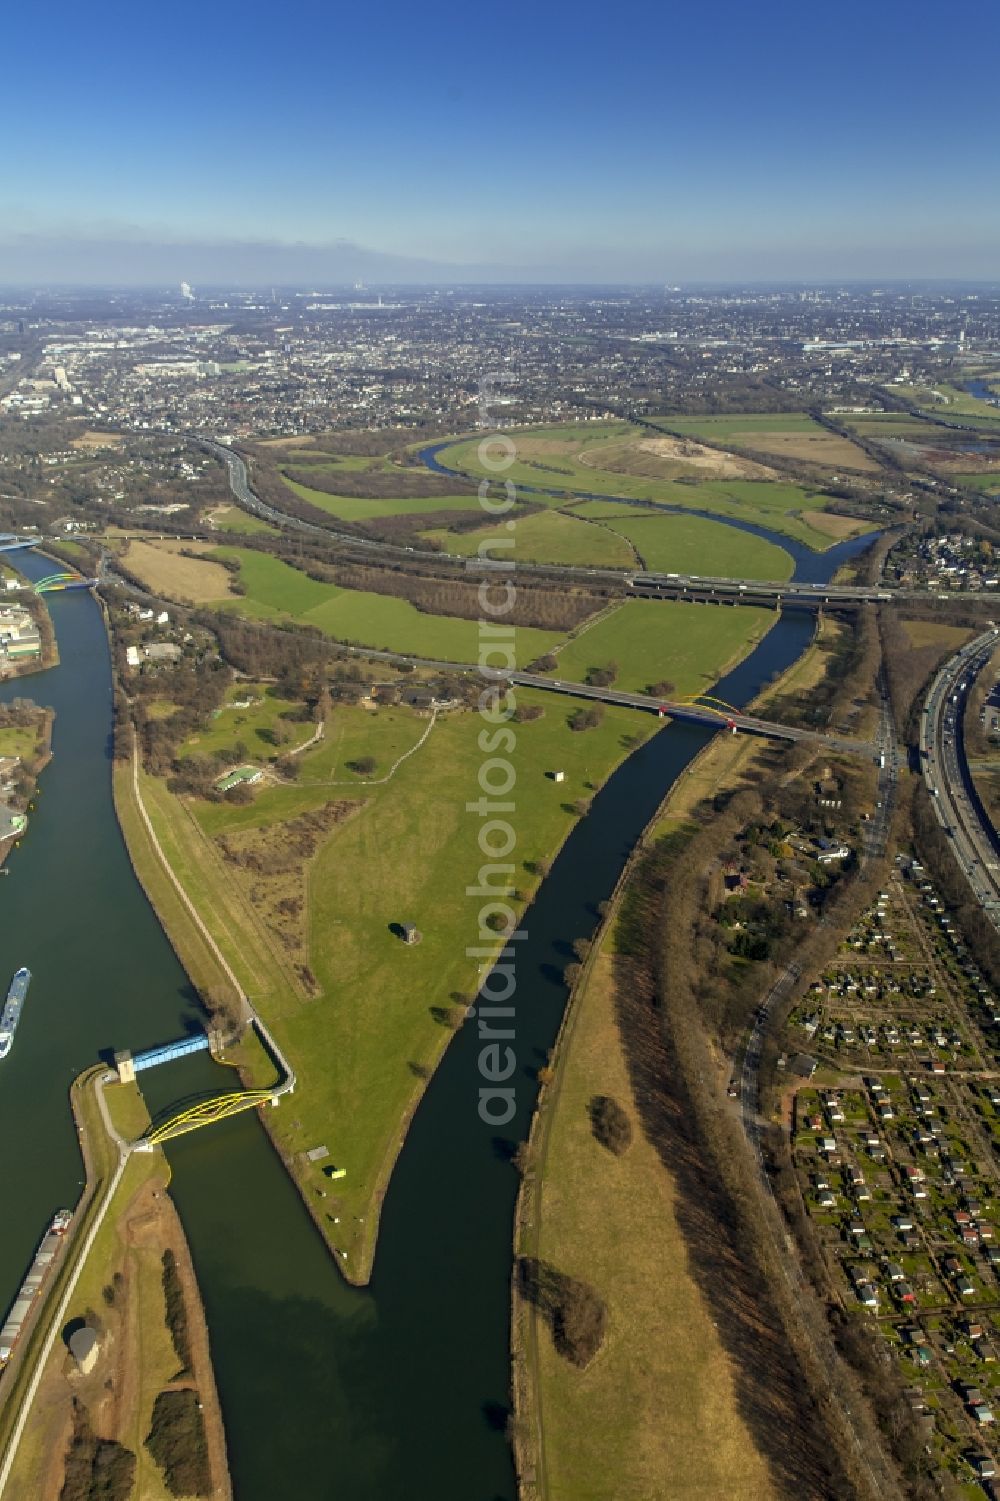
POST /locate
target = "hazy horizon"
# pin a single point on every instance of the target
(538, 146)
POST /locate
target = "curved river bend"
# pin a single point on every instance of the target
(398, 1390)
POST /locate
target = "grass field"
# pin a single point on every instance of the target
(406, 855)
(949, 401)
(276, 591)
(656, 1414)
(548, 458)
(548, 537)
(19, 740)
(936, 633)
(161, 567)
(253, 726)
(789, 435)
(357, 508)
(988, 483)
(651, 640)
(235, 519)
(692, 544)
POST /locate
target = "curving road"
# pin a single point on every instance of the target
(646, 585)
(974, 840)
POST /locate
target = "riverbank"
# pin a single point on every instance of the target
(25, 751)
(719, 764)
(109, 1277)
(664, 1394)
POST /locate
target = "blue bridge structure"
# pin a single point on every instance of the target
(197, 1042)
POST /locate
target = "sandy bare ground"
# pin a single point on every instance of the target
(161, 566)
(721, 465)
(823, 448)
(832, 525)
(93, 440)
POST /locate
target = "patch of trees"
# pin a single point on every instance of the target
(908, 668)
(266, 651)
(175, 1309)
(379, 484)
(935, 850)
(96, 1469)
(285, 847)
(773, 1332)
(610, 1124)
(197, 688)
(575, 1313)
(586, 719)
(178, 1442)
(553, 609)
(864, 1348)
(602, 677)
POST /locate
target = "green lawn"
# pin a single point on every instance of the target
(277, 591)
(652, 640)
(739, 425)
(988, 483)
(231, 724)
(358, 508)
(234, 519)
(407, 854)
(956, 403)
(19, 740)
(692, 544)
(547, 537)
(773, 504)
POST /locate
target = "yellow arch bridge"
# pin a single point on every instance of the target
(206, 1113)
(713, 705)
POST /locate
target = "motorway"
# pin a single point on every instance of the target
(946, 773)
(691, 586)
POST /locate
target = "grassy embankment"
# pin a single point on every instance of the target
(657, 1412)
(369, 1031)
(570, 461)
(120, 1292)
(637, 1415)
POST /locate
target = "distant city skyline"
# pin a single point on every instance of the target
(651, 144)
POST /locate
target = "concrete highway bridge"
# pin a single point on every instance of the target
(698, 709)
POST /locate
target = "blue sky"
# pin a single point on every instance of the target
(623, 142)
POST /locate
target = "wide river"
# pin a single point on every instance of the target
(400, 1389)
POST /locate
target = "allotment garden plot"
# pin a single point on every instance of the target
(894, 1140)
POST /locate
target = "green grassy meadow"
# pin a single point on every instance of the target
(357, 508)
(693, 544)
(406, 854)
(547, 537)
(566, 471)
(250, 725)
(652, 640)
(276, 591)
(988, 483)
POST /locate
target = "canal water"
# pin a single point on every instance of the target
(398, 1390)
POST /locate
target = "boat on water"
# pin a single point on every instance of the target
(32, 1285)
(12, 1009)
